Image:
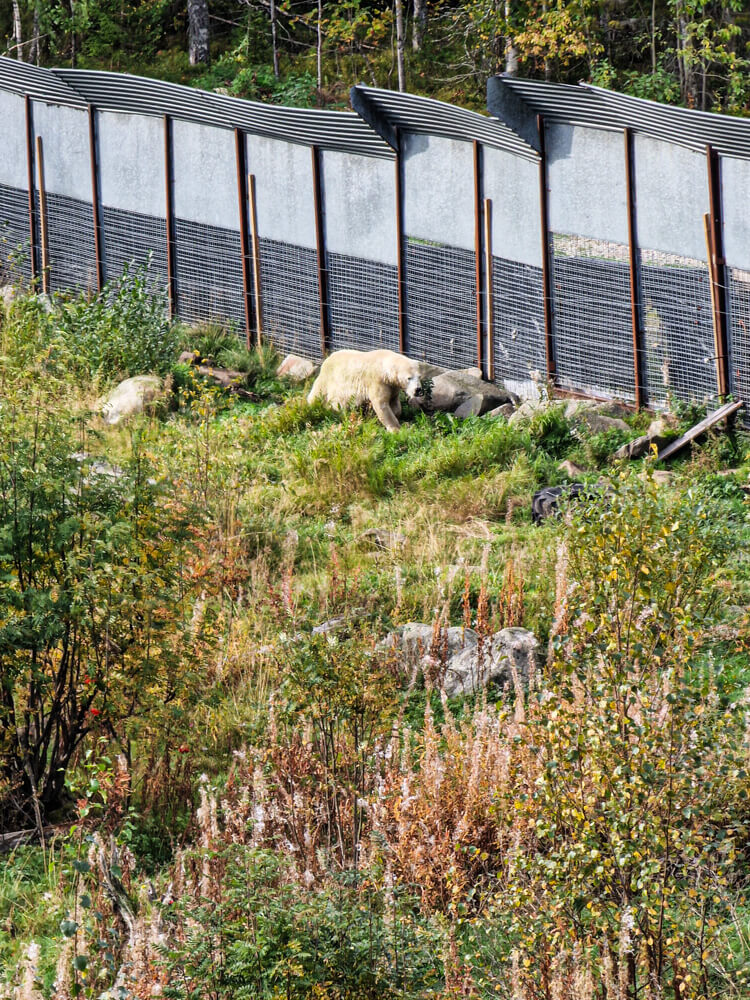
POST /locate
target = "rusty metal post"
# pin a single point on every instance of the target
(478, 250)
(169, 213)
(402, 345)
(546, 268)
(488, 270)
(43, 230)
(95, 199)
(320, 244)
(635, 317)
(31, 187)
(255, 242)
(717, 266)
(239, 149)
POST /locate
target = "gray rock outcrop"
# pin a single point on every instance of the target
(131, 397)
(451, 389)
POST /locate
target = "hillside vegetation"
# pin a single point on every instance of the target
(237, 806)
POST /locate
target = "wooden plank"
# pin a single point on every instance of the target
(713, 418)
(239, 150)
(721, 390)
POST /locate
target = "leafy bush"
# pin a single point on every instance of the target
(123, 331)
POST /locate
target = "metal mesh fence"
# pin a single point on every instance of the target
(738, 301)
(208, 273)
(290, 298)
(72, 249)
(518, 319)
(677, 325)
(363, 303)
(440, 304)
(15, 258)
(593, 334)
(129, 238)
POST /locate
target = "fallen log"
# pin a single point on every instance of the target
(723, 413)
(16, 838)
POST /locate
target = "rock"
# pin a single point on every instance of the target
(662, 477)
(96, 467)
(8, 294)
(607, 407)
(600, 423)
(335, 624)
(383, 539)
(659, 432)
(189, 358)
(571, 470)
(527, 409)
(131, 397)
(464, 670)
(506, 411)
(296, 369)
(476, 406)
(451, 389)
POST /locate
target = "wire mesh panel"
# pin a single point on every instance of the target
(518, 319)
(130, 238)
(440, 304)
(208, 270)
(738, 301)
(15, 258)
(362, 304)
(72, 250)
(290, 298)
(593, 336)
(677, 325)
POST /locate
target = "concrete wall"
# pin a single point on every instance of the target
(131, 162)
(359, 197)
(13, 145)
(439, 190)
(671, 197)
(513, 185)
(65, 144)
(284, 190)
(587, 184)
(204, 172)
(735, 177)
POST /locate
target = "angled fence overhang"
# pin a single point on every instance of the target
(518, 102)
(40, 84)
(391, 112)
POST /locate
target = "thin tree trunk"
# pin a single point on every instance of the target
(511, 52)
(400, 44)
(419, 26)
(319, 51)
(198, 32)
(73, 52)
(274, 46)
(34, 50)
(17, 30)
(653, 36)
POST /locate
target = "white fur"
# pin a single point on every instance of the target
(375, 377)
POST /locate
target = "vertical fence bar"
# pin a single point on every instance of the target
(635, 317)
(717, 266)
(239, 149)
(478, 249)
(95, 199)
(43, 231)
(546, 269)
(402, 345)
(255, 243)
(490, 304)
(715, 308)
(31, 187)
(320, 243)
(169, 213)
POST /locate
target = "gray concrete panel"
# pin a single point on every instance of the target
(512, 183)
(13, 146)
(438, 189)
(131, 162)
(284, 190)
(587, 186)
(65, 144)
(204, 169)
(735, 186)
(671, 197)
(359, 195)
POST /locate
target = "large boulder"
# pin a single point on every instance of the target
(453, 388)
(131, 397)
(464, 666)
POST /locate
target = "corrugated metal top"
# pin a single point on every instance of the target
(24, 79)
(599, 108)
(411, 113)
(338, 130)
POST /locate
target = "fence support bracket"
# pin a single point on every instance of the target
(31, 187)
(717, 265)
(546, 251)
(239, 150)
(478, 251)
(635, 318)
(169, 213)
(93, 156)
(320, 242)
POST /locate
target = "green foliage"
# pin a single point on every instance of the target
(123, 331)
(266, 938)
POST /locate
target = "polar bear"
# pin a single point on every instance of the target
(359, 377)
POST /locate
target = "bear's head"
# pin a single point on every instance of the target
(413, 387)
